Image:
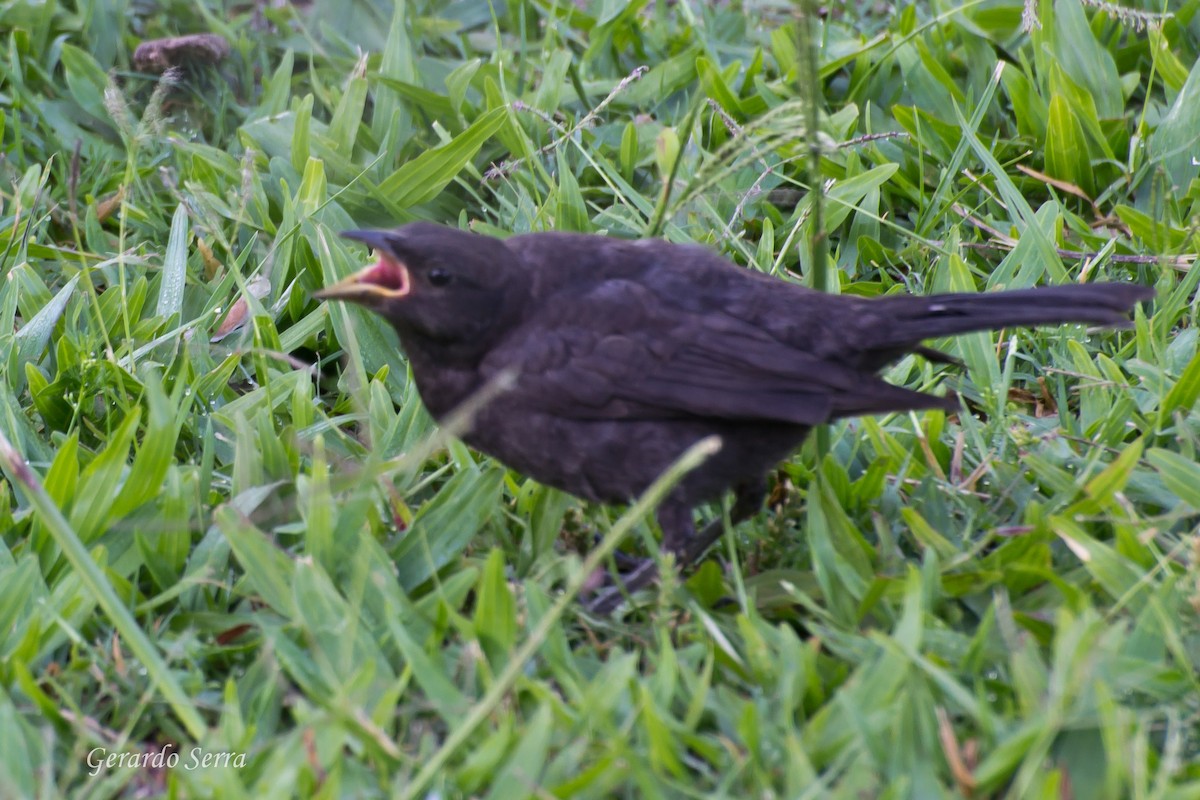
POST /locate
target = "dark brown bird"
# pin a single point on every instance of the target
(628, 352)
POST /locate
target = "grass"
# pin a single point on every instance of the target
(229, 531)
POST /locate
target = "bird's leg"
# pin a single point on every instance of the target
(680, 538)
(675, 518)
(748, 498)
(606, 598)
(626, 562)
(678, 526)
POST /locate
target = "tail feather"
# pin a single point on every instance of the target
(912, 319)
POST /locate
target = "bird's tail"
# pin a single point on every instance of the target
(912, 319)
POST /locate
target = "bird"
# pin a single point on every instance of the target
(626, 352)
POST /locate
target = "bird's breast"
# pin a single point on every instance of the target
(443, 389)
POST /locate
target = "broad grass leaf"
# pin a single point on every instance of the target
(524, 768)
(62, 479)
(34, 335)
(1041, 257)
(546, 518)
(845, 195)
(1067, 40)
(301, 134)
(1180, 475)
(665, 78)
(495, 610)
(319, 509)
(1183, 394)
(423, 178)
(459, 81)
(347, 117)
(268, 570)
(446, 524)
(432, 104)
(1173, 144)
(555, 79)
(277, 88)
(924, 533)
(570, 210)
(349, 652)
(839, 552)
(1066, 149)
(174, 269)
(715, 84)
(165, 549)
(397, 62)
(431, 675)
(155, 454)
(783, 46)
(22, 587)
(1114, 573)
(86, 80)
(100, 480)
(1167, 64)
(1084, 107)
(482, 764)
(1029, 107)
(660, 740)
(1095, 401)
(1101, 489)
(1156, 233)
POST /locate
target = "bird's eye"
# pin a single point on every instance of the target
(438, 277)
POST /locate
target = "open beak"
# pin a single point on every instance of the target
(387, 279)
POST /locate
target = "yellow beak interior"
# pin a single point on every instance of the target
(387, 279)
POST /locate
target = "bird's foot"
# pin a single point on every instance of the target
(625, 561)
(604, 593)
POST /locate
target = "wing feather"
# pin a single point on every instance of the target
(622, 352)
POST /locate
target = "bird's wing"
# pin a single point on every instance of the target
(621, 351)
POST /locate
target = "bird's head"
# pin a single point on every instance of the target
(439, 287)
